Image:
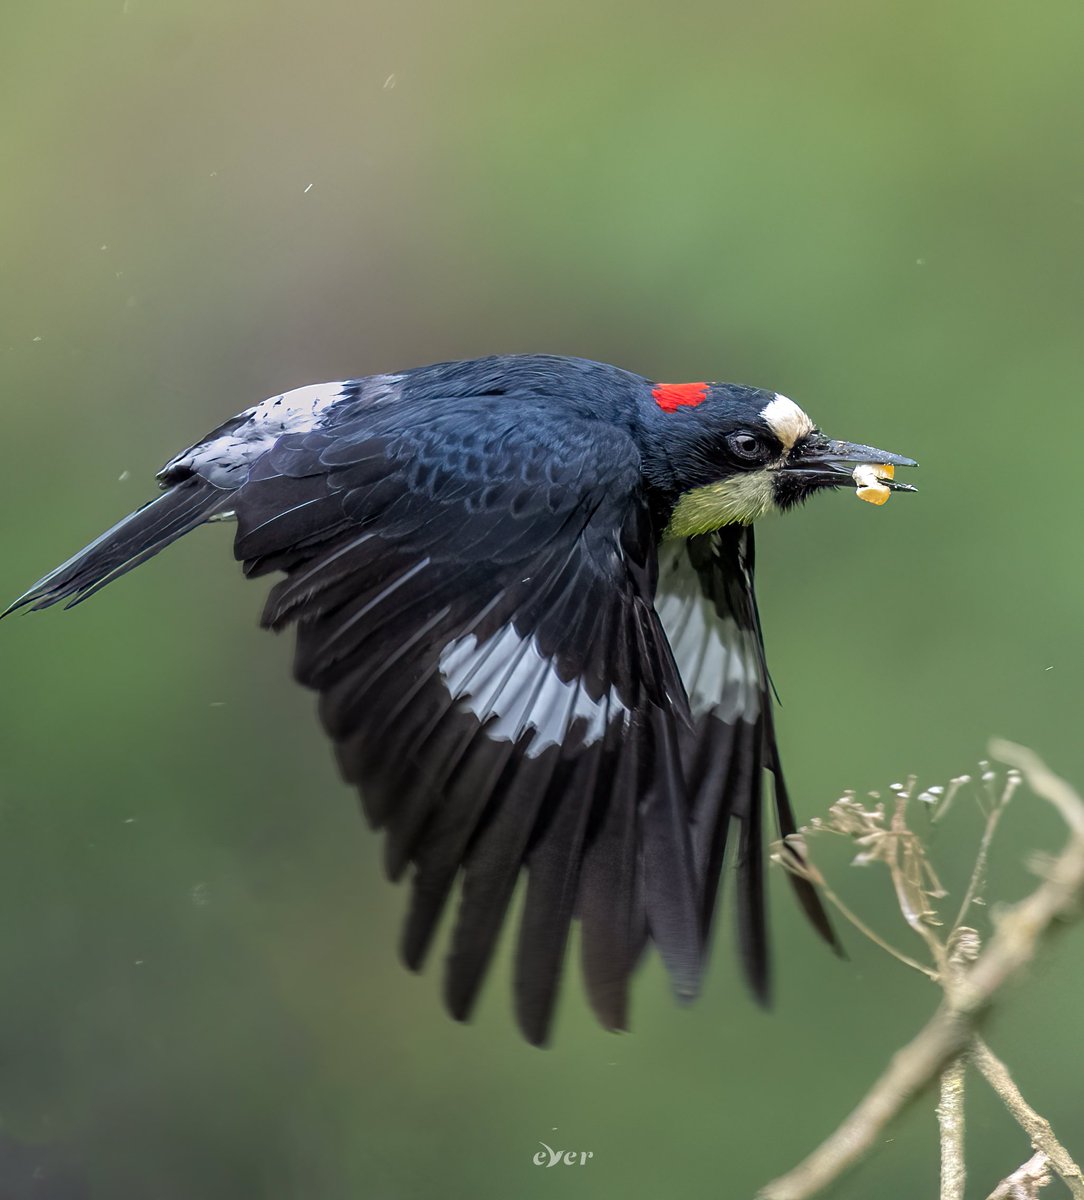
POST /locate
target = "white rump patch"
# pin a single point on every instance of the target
(510, 683)
(225, 458)
(292, 412)
(222, 459)
(718, 660)
(786, 420)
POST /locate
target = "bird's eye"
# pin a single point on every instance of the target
(746, 445)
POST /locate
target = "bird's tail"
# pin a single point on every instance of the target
(130, 542)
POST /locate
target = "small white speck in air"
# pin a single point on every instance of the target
(129, 820)
(307, 190)
(390, 82)
(124, 476)
(37, 339)
(1050, 668)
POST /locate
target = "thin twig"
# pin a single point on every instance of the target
(950, 1121)
(1043, 782)
(950, 795)
(790, 854)
(805, 870)
(907, 881)
(1024, 1183)
(1036, 1127)
(950, 1029)
(979, 872)
(875, 937)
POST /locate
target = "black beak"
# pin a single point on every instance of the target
(822, 462)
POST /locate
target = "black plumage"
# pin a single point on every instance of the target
(521, 667)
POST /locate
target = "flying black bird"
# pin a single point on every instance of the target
(523, 587)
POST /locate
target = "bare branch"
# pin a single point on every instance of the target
(967, 997)
(909, 1070)
(950, 1120)
(1024, 1183)
(1036, 1127)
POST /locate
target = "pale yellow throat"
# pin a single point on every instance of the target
(741, 500)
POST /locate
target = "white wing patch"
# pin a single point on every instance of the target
(510, 683)
(718, 660)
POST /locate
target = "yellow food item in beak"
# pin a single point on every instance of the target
(868, 476)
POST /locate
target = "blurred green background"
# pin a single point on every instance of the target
(876, 209)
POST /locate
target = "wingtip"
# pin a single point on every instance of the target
(31, 601)
(534, 1033)
(836, 945)
(37, 596)
(461, 993)
(760, 984)
(816, 914)
(413, 951)
(686, 986)
(610, 1006)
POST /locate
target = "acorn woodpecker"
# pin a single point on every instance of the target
(523, 589)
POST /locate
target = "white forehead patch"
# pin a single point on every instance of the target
(786, 420)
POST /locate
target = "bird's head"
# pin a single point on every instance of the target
(723, 453)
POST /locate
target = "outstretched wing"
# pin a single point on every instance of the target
(472, 586)
(708, 608)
